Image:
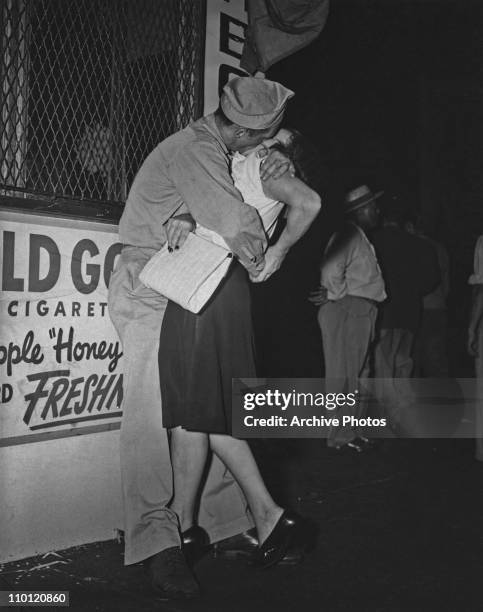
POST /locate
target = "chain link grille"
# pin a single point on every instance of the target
(89, 87)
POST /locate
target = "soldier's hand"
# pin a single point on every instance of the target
(253, 262)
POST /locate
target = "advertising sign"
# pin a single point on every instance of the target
(60, 357)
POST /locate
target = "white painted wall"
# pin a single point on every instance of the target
(59, 493)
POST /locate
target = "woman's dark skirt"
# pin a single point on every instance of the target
(199, 354)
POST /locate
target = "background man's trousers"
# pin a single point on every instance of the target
(393, 368)
(137, 313)
(347, 327)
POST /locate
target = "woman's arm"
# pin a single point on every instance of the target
(303, 205)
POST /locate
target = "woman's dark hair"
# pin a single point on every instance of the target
(307, 160)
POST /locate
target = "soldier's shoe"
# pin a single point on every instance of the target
(170, 576)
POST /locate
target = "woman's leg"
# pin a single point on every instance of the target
(238, 458)
(189, 450)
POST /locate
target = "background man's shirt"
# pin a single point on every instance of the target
(350, 267)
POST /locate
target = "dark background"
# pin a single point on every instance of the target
(392, 94)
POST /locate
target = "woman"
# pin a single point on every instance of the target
(200, 354)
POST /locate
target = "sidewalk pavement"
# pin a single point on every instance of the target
(400, 530)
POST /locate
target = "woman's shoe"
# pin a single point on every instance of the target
(240, 545)
(195, 544)
(291, 533)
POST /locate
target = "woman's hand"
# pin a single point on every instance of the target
(273, 260)
(177, 230)
(274, 164)
(319, 296)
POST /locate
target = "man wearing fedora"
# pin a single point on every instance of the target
(186, 174)
(352, 285)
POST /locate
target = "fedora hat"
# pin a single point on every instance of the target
(360, 196)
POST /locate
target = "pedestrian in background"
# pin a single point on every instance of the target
(352, 287)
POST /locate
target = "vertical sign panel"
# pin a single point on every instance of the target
(226, 21)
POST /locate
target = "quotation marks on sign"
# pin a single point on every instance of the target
(66, 348)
